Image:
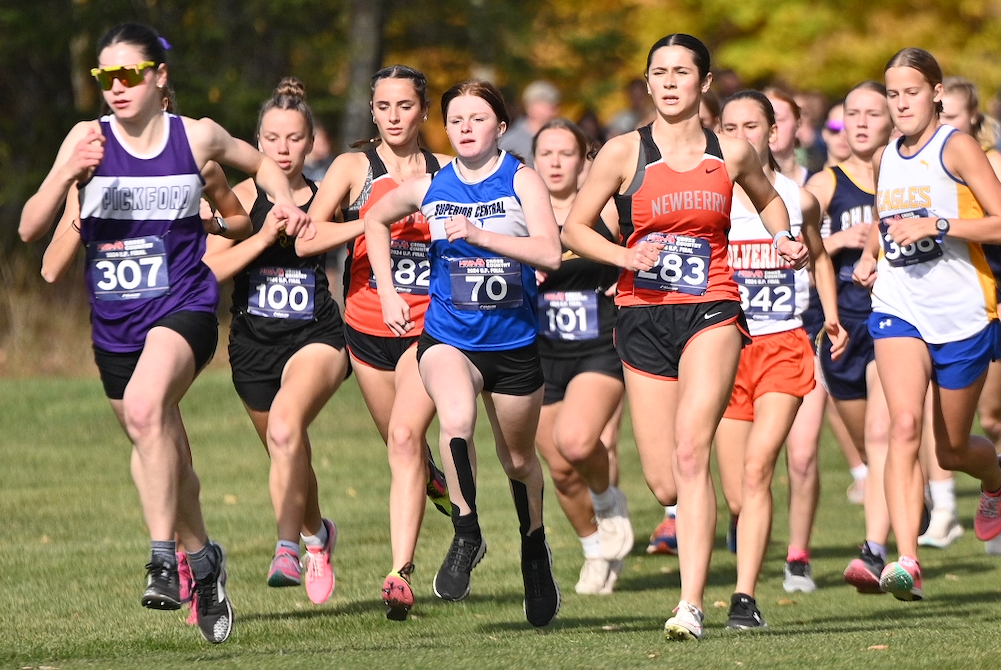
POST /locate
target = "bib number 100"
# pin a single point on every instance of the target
(277, 296)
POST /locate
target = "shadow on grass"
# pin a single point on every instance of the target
(610, 624)
(345, 609)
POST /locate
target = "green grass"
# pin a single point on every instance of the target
(73, 546)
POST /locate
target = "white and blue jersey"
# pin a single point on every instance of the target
(480, 301)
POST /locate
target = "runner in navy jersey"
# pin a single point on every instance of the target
(582, 370)
(286, 345)
(491, 224)
(152, 299)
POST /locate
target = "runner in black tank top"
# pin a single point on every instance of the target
(286, 345)
(583, 373)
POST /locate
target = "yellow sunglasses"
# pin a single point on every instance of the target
(129, 75)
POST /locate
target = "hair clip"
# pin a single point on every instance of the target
(164, 43)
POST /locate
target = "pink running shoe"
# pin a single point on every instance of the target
(319, 570)
(192, 619)
(664, 539)
(987, 522)
(285, 570)
(186, 579)
(863, 572)
(396, 593)
(902, 579)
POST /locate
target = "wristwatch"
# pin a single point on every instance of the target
(942, 226)
(221, 222)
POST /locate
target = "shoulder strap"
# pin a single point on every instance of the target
(712, 144)
(430, 162)
(378, 167)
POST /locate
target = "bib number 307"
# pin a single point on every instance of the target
(130, 269)
(485, 283)
(683, 266)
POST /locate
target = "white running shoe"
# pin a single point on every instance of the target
(943, 529)
(614, 568)
(686, 624)
(798, 577)
(615, 532)
(593, 576)
(856, 492)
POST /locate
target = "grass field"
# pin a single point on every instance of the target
(73, 545)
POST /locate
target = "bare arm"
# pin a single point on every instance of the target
(823, 272)
(226, 204)
(821, 186)
(345, 176)
(65, 241)
(224, 256)
(80, 153)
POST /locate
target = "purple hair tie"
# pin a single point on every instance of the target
(164, 43)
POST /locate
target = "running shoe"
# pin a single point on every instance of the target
(615, 532)
(397, 594)
(542, 593)
(665, 538)
(319, 569)
(437, 488)
(452, 580)
(614, 570)
(192, 619)
(285, 569)
(215, 613)
(864, 572)
(686, 624)
(943, 529)
(902, 579)
(987, 522)
(798, 577)
(744, 613)
(731, 535)
(163, 589)
(856, 492)
(993, 547)
(186, 580)
(593, 576)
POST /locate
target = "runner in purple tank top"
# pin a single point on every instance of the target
(153, 301)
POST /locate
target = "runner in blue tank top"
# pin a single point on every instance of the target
(491, 227)
(153, 301)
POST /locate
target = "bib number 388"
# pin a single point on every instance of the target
(130, 269)
(485, 283)
(922, 251)
(683, 266)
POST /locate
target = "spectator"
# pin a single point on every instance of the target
(541, 101)
(640, 107)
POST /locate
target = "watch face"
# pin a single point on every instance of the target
(942, 225)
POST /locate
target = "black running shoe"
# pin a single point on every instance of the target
(864, 572)
(542, 593)
(163, 586)
(215, 613)
(452, 580)
(744, 613)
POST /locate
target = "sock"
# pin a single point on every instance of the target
(877, 549)
(533, 546)
(204, 561)
(802, 555)
(671, 510)
(591, 545)
(291, 546)
(464, 472)
(603, 501)
(943, 493)
(165, 550)
(467, 526)
(318, 541)
(859, 472)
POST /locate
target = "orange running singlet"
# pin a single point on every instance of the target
(411, 239)
(688, 212)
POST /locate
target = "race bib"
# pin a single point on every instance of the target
(569, 315)
(485, 283)
(282, 293)
(922, 251)
(411, 267)
(131, 269)
(683, 266)
(767, 295)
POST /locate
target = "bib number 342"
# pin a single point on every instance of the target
(129, 269)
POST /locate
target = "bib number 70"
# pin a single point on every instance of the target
(495, 287)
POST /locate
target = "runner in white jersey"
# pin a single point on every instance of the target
(776, 369)
(934, 302)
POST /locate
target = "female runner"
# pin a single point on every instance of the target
(680, 310)
(776, 369)
(286, 344)
(583, 373)
(934, 302)
(386, 365)
(847, 194)
(491, 224)
(153, 319)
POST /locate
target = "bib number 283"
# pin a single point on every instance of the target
(683, 265)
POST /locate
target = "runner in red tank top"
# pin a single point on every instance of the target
(680, 329)
(386, 365)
